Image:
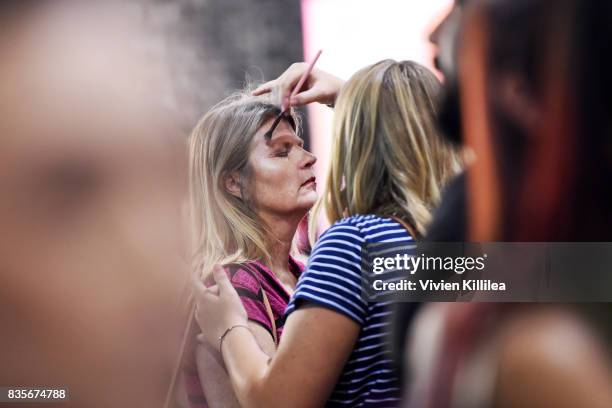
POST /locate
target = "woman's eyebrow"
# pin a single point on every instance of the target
(286, 138)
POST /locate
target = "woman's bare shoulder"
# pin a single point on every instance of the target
(550, 356)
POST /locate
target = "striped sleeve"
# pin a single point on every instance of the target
(332, 278)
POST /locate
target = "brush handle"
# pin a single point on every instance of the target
(300, 83)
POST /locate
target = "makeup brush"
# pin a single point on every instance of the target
(296, 89)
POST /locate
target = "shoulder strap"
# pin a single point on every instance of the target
(407, 226)
(270, 316)
(266, 304)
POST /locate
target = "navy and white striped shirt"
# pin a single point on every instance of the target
(333, 279)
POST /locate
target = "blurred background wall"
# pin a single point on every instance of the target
(214, 47)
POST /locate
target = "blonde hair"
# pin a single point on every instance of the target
(387, 156)
(225, 228)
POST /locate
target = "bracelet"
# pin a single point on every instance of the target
(227, 331)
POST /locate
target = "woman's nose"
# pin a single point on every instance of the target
(309, 159)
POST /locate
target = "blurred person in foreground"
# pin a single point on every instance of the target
(449, 219)
(90, 187)
(535, 101)
(388, 167)
(248, 196)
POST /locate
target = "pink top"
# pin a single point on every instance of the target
(249, 279)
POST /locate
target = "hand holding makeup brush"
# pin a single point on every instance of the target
(319, 86)
(287, 102)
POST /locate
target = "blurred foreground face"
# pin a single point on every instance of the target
(444, 37)
(90, 187)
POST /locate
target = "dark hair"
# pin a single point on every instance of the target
(560, 51)
(592, 89)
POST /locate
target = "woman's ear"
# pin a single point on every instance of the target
(232, 184)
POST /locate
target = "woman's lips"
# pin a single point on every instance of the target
(311, 181)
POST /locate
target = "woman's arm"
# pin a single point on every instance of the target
(213, 376)
(315, 346)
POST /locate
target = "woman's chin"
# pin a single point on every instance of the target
(309, 199)
(304, 206)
